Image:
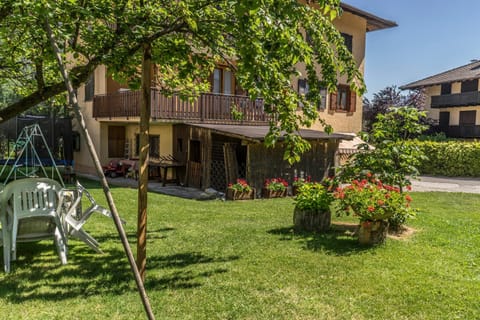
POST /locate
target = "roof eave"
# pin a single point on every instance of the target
(374, 22)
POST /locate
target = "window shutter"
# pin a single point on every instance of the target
(333, 101)
(353, 101)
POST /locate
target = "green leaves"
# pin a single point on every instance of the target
(394, 159)
(263, 42)
(313, 196)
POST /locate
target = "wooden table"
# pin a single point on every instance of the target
(163, 166)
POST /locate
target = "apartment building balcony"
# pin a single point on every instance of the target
(461, 131)
(456, 100)
(207, 108)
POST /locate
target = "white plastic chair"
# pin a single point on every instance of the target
(31, 211)
(74, 217)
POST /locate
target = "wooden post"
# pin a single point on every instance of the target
(98, 167)
(143, 160)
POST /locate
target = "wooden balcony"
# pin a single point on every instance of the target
(456, 100)
(207, 108)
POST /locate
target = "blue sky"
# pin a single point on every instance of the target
(432, 36)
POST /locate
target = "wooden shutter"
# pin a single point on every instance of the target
(333, 101)
(353, 100)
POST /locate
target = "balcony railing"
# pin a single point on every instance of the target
(208, 107)
(456, 100)
(461, 131)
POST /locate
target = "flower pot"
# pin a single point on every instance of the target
(240, 195)
(372, 232)
(267, 193)
(311, 220)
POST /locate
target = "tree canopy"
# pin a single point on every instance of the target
(261, 40)
(389, 97)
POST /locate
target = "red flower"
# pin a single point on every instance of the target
(371, 208)
(381, 202)
(409, 187)
(408, 198)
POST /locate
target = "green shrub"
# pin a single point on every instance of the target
(451, 158)
(313, 196)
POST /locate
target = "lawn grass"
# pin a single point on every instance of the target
(241, 260)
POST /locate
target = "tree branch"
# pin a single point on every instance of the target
(79, 74)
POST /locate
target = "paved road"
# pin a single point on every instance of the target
(446, 184)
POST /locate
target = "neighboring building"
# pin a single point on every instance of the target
(453, 100)
(215, 147)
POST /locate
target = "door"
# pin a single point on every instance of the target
(467, 123)
(116, 141)
(444, 121)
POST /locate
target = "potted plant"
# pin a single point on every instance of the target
(274, 188)
(374, 203)
(312, 208)
(240, 190)
(298, 182)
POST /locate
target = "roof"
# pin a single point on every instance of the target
(351, 146)
(258, 133)
(373, 22)
(467, 72)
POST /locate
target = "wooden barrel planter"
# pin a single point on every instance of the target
(373, 232)
(240, 195)
(295, 190)
(311, 220)
(267, 193)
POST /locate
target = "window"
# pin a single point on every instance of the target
(227, 81)
(90, 88)
(467, 118)
(116, 141)
(323, 102)
(302, 86)
(348, 40)
(217, 81)
(470, 85)
(446, 88)
(303, 89)
(222, 81)
(344, 100)
(153, 141)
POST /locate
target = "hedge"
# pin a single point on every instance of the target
(451, 158)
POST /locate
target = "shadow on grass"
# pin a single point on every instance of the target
(38, 275)
(339, 240)
(183, 279)
(132, 236)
